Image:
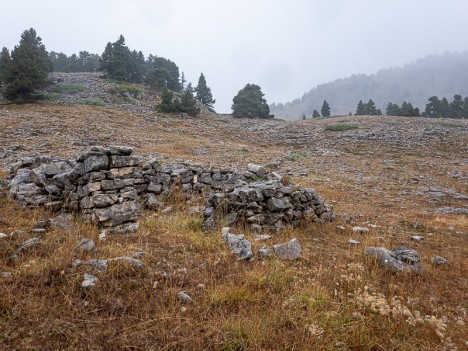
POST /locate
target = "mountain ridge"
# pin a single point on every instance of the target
(441, 75)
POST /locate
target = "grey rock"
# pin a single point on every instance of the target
(104, 200)
(263, 252)
(277, 205)
(239, 246)
(6, 275)
(384, 258)
(120, 150)
(117, 161)
(85, 245)
(3, 235)
(29, 245)
(124, 228)
(353, 242)
(184, 297)
(258, 170)
(439, 261)
(152, 202)
(406, 255)
(96, 163)
(89, 281)
(133, 262)
(417, 238)
(360, 230)
(260, 237)
(290, 250)
(117, 214)
(98, 265)
(62, 221)
(418, 225)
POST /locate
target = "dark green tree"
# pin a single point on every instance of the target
(188, 103)
(444, 107)
(361, 109)
(304, 117)
(167, 103)
(325, 109)
(204, 93)
(378, 112)
(249, 102)
(392, 109)
(370, 109)
(4, 62)
(456, 107)
(433, 108)
(316, 114)
(163, 73)
(183, 80)
(28, 67)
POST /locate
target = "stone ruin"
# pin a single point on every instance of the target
(107, 186)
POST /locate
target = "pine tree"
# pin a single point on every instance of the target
(183, 80)
(249, 102)
(167, 104)
(304, 117)
(444, 107)
(392, 109)
(433, 108)
(456, 107)
(187, 102)
(370, 109)
(204, 93)
(316, 114)
(325, 109)
(361, 109)
(28, 67)
(4, 62)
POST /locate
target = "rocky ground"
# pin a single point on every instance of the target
(390, 179)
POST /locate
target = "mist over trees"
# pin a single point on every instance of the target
(83, 62)
(444, 75)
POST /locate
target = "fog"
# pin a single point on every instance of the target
(286, 47)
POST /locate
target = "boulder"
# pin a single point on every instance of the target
(290, 250)
(239, 246)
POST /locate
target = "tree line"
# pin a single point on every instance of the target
(25, 70)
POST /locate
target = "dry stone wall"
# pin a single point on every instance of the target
(106, 185)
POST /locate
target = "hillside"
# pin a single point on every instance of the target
(395, 177)
(443, 76)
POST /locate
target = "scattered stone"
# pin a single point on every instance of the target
(353, 242)
(98, 265)
(89, 281)
(167, 210)
(417, 238)
(102, 236)
(29, 245)
(62, 221)
(258, 170)
(290, 250)
(239, 246)
(6, 275)
(3, 235)
(263, 252)
(340, 229)
(360, 230)
(85, 245)
(398, 260)
(17, 232)
(418, 225)
(133, 262)
(260, 237)
(450, 228)
(184, 297)
(439, 261)
(39, 231)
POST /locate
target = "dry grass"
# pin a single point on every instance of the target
(331, 299)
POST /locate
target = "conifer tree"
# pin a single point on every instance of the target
(444, 107)
(187, 102)
(316, 114)
(204, 93)
(456, 107)
(249, 102)
(28, 67)
(433, 108)
(370, 109)
(361, 109)
(4, 62)
(465, 108)
(325, 109)
(167, 103)
(392, 109)
(304, 117)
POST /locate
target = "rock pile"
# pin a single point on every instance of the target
(106, 184)
(101, 187)
(401, 259)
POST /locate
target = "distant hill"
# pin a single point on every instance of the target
(444, 75)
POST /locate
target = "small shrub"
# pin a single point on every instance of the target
(52, 96)
(448, 124)
(63, 88)
(124, 89)
(94, 102)
(340, 127)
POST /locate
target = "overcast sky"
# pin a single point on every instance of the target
(285, 46)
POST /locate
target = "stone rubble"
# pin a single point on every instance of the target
(289, 251)
(106, 185)
(400, 259)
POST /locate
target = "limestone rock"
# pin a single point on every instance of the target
(184, 297)
(239, 246)
(439, 261)
(290, 250)
(29, 245)
(89, 281)
(85, 245)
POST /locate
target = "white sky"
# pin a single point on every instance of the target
(286, 47)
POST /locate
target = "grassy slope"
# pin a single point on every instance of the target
(331, 299)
